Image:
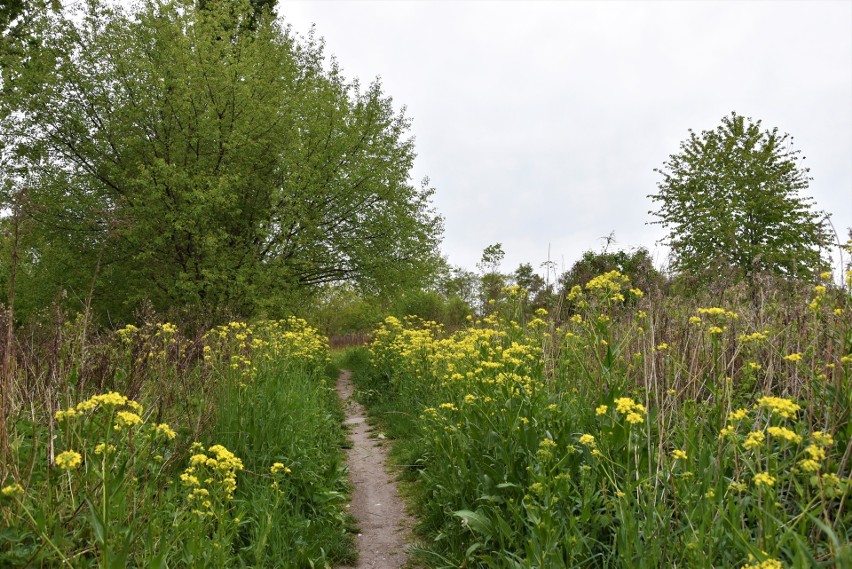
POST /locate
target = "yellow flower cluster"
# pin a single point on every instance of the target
(754, 440)
(587, 440)
(166, 329)
(764, 479)
(737, 415)
(715, 311)
(126, 419)
(104, 400)
(822, 439)
(164, 430)
(610, 283)
(753, 337)
(210, 473)
(635, 412)
(243, 347)
(68, 460)
(819, 297)
(783, 407)
(785, 434)
(546, 448)
(104, 448)
(765, 564)
(13, 490)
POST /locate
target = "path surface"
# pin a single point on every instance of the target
(385, 527)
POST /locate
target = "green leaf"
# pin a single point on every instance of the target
(477, 522)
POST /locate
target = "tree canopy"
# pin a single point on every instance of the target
(731, 199)
(204, 157)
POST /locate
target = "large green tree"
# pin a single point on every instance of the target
(204, 157)
(732, 199)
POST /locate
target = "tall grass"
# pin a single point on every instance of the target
(640, 432)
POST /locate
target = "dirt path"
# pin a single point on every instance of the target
(385, 527)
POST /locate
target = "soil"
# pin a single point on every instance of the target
(385, 528)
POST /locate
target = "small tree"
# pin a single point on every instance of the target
(492, 281)
(730, 199)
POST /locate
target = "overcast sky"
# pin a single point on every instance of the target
(540, 123)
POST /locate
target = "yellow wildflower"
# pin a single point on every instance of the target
(13, 490)
(678, 454)
(764, 479)
(815, 452)
(754, 440)
(784, 407)
(587, 440)
(784, 433)
(601, 410)
(104, 448)
(738, 415)
(163, 429)
(634, 418)
(127, 419)
(67, 414)
(822, 439)
(69, 460)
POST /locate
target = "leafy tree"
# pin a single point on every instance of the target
(204, 158)
(730, 199)
(539, 293)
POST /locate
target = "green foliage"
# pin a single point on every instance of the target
(636, 265)
(430, 305)
(457, 282)
(343, 309)
(730, 198)
(204, 158)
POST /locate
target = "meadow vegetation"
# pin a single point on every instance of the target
(218, 450)
(626, 428)
(202, 160)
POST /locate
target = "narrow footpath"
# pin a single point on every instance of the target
(376, 505)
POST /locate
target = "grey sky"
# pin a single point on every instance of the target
(541, 122)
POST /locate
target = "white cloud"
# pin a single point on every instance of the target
(542, 122)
